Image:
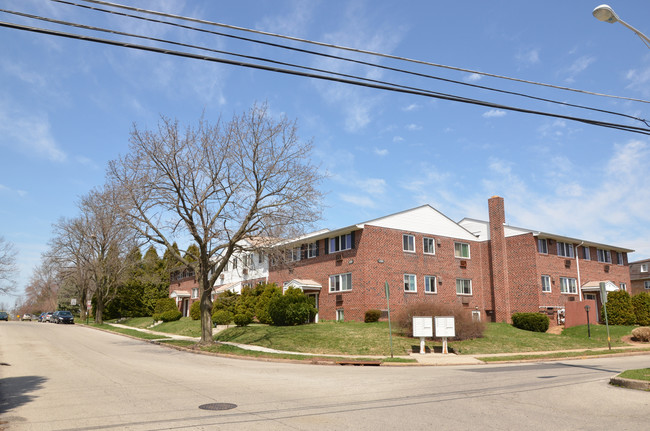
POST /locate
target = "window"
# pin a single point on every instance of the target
(195, 292)
(623, 287)
(340, 282)
(410, 284)
(248, 260)
(340, 243)
(646, 284)
(260, 257)
(542, 245)
(429, 284)
(234, 263)
(225, 267)
(568, 285)
(339, 315)
(476, 316)
(293, 255)
(587, 253)
(546, 283)
(619, 258)
(564, 249)
(312, 250)
(461, 249)
(604, 256)
(429, 246)
(644, 267)
(408, 243)
(463, 286)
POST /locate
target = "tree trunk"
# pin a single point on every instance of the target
(99, 312)
(206, 309)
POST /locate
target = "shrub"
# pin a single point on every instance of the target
(222, 317)
(620, 310)
(372, 316)
(170, 315)
(465, 327)
(163, 305)
(535, 322)
(641, 304)
(225, 301)
(641, 334)
(292, 308)
(263, 300)
(243, 319)
(195, 310)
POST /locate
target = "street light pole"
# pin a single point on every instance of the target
(606, 14)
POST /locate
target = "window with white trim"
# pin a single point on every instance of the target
(586, 253)
(568, 285)
(461, 249)
(293, 255)
(623, 287)
(410, 283)
(312, 250)
(408, 243)
(542, 245)
(341, 282)
(644, 267)
(565, 249)
(429, 245)
(339, 315)
(340, 243)
(619, 258)
(429, 284)
(463, 286)
(546, 283)
(195, 292)
(646, 284)
(604, 255)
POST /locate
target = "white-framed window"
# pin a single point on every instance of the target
(429, 245)
(410, 283)
(341, 282)
(430, 284)
(260, 257)
(587, 252)
(408, 243)
(248, 260)
(340, 243)
(619, 258)
(234, 263)
(623, 287)
(644, 267)
(463, 286)
(312, 250)
(568, 285)
(546, 283)
(542, 245)
(195, 292)
(646, 284)
(461, 249)
(339, 315)
(604, 255)
(565, 249)
(293, 255)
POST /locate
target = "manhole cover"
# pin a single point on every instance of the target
(218, 406)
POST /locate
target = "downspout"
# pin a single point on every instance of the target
(578, 268)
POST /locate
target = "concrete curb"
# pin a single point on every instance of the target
(641, 385)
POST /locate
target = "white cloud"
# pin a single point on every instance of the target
(411, 107)
(494, 113)
(398, 139)
(381, 152)
(30, 134)
(8, 190)
(413, 127)
(294, 21)
(472, 77)
(528, 58)
(578, 66)
(639, 80)
(358, 200)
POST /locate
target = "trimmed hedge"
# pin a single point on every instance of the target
(620, 310)
(292, 308)
(243, 319)
(372, 316)
(535, 322)
(164, 305)
(195, 310)
(641, 304)
(222, 317)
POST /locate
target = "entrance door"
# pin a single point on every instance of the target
(594, 297)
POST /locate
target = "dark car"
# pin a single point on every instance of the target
(4, 316)
(63, 317)
(41, 317)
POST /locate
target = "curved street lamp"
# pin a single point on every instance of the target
(606, 14)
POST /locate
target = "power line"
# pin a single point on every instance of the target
(322, 77)
(357, 50)
(333, 57)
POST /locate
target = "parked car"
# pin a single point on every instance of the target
(48, 316)
(4, 316)
(41, 317)
(63, 317)
(26, 317)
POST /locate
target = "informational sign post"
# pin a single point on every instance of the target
(422, 327)
(445, 327)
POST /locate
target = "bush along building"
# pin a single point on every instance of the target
(493, 270)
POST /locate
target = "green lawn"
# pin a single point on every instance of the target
(185, 326)
(642, 374)
(126, 331)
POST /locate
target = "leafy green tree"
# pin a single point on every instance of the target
(620, 310)
(641, 304)
(292, 308)
(269, 291)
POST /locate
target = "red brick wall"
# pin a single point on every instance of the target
(499, 260)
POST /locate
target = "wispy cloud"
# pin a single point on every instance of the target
(494, 113)
(29, 133)
(528, 57)
(413, 127)
(381, 152)
(472, 77)
(639, 80)
(578, 66)
(411, 107)
(8, 190)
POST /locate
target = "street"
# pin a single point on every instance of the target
(70, 377)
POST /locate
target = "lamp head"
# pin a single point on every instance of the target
(605, 13)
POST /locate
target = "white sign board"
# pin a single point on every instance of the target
(73, 301)
(445, 326)
(422, 326)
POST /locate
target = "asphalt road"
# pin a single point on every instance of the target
(56, 377)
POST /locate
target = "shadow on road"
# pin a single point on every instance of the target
(15, 391)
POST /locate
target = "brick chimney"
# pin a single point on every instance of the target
(499, 260)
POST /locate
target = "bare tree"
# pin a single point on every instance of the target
(41, 292)
(218, 184)
(7, 266)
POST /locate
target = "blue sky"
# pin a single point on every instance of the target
(67, 106)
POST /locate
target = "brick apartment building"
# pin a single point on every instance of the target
(639, 276)
(488, 267)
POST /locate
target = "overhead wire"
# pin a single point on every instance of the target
(389, 87)
(347, 59)
(357, 50)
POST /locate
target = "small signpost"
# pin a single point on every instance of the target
(445, 327)
(603, 297)
(422, 327)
